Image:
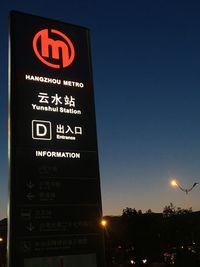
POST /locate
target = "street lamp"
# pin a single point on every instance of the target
(174, 183)
(186, 190)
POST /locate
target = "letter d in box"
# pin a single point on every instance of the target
(41, 130)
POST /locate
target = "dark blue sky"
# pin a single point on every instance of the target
(146, 65)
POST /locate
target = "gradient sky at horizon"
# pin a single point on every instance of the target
(146, 65)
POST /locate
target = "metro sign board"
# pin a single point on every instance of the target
(55, 199)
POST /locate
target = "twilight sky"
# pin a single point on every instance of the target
(146, 69)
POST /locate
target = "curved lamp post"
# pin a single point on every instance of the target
(185, 190)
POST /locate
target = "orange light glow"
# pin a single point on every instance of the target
(104, 223)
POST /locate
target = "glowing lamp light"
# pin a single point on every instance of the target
(174, 183)
(104, 223)
(1, 239)
(132, 262)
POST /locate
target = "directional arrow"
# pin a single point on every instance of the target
(30, 185)
(30, 196)
(27, 246)
(30, 227)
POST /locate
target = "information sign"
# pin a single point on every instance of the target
(55, 200)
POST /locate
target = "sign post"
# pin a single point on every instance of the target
(55, 200)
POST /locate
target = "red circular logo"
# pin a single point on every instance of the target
(56, 51)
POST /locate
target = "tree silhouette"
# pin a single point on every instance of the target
(171, 210)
